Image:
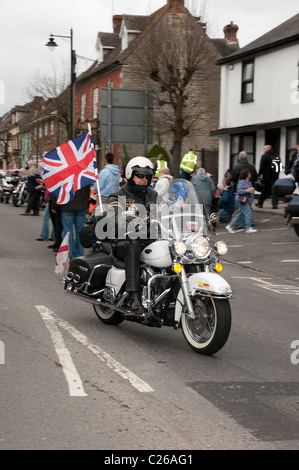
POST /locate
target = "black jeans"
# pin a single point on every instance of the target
(129, 252)
(33, 202)
(268, 192)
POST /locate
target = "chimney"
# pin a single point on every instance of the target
(176, 6)
(230, 32)
(117, 19)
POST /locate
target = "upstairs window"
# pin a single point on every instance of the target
(83, 106)
(247, 82)
(95, 103)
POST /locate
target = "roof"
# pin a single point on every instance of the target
(141, 24)
(283, 34)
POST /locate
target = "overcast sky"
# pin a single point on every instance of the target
(25, 27)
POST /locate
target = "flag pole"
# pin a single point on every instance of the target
(96, 170)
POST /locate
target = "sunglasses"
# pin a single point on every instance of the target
(141, 176)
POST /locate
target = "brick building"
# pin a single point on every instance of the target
(119, 65)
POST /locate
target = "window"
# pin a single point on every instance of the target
(95, 103)
(46, 128)
(52, 128)
(83, 106)
(247, 82)
(239, 143)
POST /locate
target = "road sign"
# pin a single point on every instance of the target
(126, 115)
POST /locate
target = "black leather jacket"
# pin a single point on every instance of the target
(128, 198)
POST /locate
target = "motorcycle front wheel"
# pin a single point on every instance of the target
(207, 329)
(108, 315)
(16, 200)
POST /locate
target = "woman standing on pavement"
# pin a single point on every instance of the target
(244, 199)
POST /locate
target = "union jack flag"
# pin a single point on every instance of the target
(70, 167)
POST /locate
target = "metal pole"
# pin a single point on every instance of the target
(145, 119)
(109, 116)
(72, 87)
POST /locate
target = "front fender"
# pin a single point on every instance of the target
(207, 284)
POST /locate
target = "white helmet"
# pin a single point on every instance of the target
(142, 164)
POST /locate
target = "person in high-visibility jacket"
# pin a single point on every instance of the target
(160, 163)
(188, 165)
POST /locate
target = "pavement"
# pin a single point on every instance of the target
(267, 207)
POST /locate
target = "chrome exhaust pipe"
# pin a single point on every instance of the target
(97, 301)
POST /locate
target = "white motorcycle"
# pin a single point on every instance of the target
(179, 271)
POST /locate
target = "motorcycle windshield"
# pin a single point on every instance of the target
(181, 211)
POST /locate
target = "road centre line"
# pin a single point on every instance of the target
(72, 377)
(114, 365)
(289, 261)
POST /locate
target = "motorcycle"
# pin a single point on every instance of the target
(19, 194)
(180, 282)
(8, 182)
(285, 188)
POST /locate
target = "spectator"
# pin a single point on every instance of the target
(34, 189)
(160, 163)
(205, 186)
(162, 185)
(73, 219)
(45, 231)
(216, 195)
(243, 163)
(188, 165)
(268, 177)
(227, 202)
(55, 214)
(109, 178)
(244, 199)
(293, 158)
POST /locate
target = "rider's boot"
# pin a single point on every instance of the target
(134, 303)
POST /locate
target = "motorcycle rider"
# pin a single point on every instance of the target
(134, 194)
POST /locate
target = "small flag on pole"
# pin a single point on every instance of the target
(62, 260)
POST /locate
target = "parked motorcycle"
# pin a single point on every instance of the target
(8, 182)
(285, 188)
(19, 194)
(178, 285)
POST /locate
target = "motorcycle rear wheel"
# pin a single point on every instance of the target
(208, 330)
(108, 315)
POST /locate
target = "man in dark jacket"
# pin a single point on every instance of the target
(243, 163)
(294, 157)
(34, 187)
(268, 177)
(136, 198)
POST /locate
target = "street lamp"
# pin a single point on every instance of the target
(51, 45)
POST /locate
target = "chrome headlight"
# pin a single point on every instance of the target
(221, 248)
(180, 248)
(200, 247)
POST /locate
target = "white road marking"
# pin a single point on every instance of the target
(277, 288)
(125, 373)
(285, 243)
(72, 377)
(289, 261)
(273, 229)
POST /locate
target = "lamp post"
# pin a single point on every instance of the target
(51, 45)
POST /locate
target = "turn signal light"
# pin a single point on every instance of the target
(218, 267)
(177, 268)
